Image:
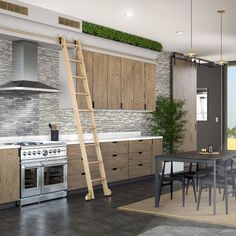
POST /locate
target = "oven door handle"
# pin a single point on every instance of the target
(31, 166)
(48, 164)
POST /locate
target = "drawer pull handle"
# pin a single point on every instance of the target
(114, 142)
(114, 155)
(114, 169)
(140, 164)
(140, 152)
(140, 140)
(83, 173)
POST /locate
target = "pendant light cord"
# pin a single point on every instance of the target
(221, 38)
(191, 28)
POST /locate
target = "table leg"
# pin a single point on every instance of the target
(157, 182)
(214, 188)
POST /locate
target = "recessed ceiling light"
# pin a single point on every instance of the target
(129, 14)
(179, 32)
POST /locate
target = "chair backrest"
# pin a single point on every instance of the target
(222, 166)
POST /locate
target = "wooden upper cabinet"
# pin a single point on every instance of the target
(184, 88)
(150, 72)
(100, 88)
(114, 82)
(88, 61)
(139, 86)
(127, 84)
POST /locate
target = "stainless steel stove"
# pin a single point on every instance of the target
(43, 171)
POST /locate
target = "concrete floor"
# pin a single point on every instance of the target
(74, 217)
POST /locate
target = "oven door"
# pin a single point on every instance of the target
(54, 176)
(31, 179)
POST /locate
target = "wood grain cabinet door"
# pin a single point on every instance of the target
(114, 82)
(139, 86)
(100, 81)
(9, 176)
(127, 84)
(185, 88)
(150, 72)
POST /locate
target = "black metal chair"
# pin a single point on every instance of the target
(168, 179)
(224, 178)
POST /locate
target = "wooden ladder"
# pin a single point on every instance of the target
(79, 61)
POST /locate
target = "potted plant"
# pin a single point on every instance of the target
(168, 121)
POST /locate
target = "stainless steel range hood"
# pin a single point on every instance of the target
(25, 72)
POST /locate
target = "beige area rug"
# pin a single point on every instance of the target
(173, 208)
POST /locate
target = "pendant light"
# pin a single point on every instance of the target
(221, 61)
(191, 53)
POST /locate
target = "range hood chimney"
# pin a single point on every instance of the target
(25, 72)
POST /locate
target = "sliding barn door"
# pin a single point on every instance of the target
(185, 87)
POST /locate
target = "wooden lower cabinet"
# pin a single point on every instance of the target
(122, 160)
(9, 176)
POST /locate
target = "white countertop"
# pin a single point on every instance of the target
(73, 138)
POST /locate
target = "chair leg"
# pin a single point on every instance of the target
(219, 191)
(194, 190)
(210, 196)
(171, 189)
(183, 191)
(187, 186)
(199, 196)
(226, 199)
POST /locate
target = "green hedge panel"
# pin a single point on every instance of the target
(108, 33)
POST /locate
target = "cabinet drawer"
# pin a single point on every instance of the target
(75, 165)
(76, 181)
(140, 158)
(115, 160)
(140, 145)
(108, 148)
(117, 174)
(140, 170)
(73, 151)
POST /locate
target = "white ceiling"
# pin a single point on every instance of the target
(160, 19)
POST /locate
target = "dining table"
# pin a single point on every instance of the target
(190, 157)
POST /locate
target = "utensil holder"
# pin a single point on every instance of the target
(54, 135)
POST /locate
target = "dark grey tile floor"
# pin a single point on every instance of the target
(74, 216)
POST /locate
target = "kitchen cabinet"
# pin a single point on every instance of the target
(140, 158)
(88, 60)
(9, 176)
(100, 87)
(127, 92)
(118, 83)
(139, 86)
(150, 72)
(123, 160)
(114, 82)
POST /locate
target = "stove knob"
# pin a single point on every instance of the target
(50, 151)
(39, 152)
(58, 150)
(54, 150)
(24, 153)
(45, 152)
(29, 153)
(34, 152)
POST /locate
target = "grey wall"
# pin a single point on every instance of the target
(209, 132)
(29, 113)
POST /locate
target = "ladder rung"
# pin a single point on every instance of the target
(99, 179)
(76, 61)
(91, 144)
(83, 94)
(72, 45)
(85, 110)
(94, 162)
(78, 77)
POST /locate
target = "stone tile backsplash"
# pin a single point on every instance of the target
(23, 114)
